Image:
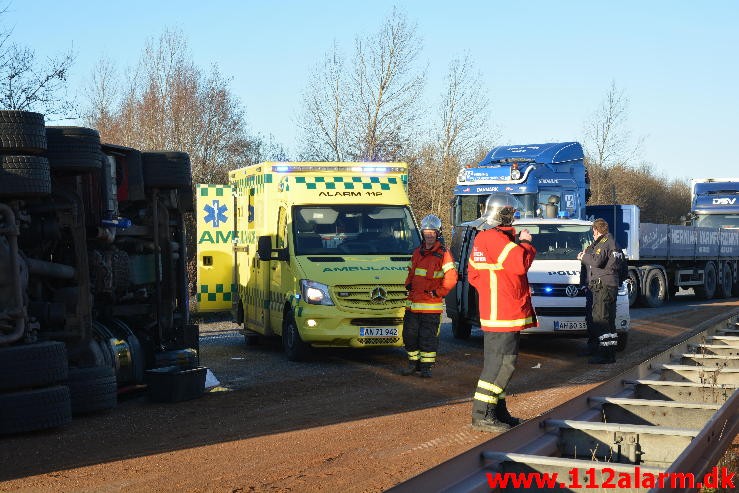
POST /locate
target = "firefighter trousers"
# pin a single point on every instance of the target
(500, 353)
(421, 336)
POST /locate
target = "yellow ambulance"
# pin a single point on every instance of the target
(314, 252)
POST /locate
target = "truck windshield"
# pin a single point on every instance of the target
(354, 229)
(717, 221)
(558, 241)
(467, 208)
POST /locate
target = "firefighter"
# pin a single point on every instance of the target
(602, 261)
(498, 265)
(431, 275)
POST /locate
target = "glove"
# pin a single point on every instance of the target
(408, 287)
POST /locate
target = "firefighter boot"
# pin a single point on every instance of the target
(413, 366)
(425, 370)
(501, 412)
(489, 422)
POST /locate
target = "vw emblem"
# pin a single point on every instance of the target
(378, 295)
(572, 290)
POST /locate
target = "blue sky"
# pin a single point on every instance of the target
(547, 65)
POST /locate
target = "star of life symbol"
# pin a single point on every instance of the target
(215, 213)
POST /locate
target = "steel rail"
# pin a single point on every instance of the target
(668, 377)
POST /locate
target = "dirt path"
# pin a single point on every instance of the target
(348, 422)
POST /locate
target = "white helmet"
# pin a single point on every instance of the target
(500, 208)
(431, 222)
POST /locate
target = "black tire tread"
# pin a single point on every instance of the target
(164, 169)
(37, 409)
(32, 365)
(22, 132)
(22, 176)
(92, 389)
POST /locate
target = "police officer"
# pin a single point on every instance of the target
(498, 265)
(602, 263)
(431, 275)
(592, 345)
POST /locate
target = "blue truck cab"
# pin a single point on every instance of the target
(550, 181)
(714, 202)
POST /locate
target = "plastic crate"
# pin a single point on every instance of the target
(173, 384)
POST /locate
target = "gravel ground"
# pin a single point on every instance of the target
(344, 421)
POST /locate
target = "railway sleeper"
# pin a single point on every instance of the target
(711, 360)
(730, 340)
(700, 374)
(724, 350)
(656, 446)
(728, 331)
(681, 391)
(654, 412)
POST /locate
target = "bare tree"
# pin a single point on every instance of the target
(607, 138)
(30, 85)
(371, 110)
(168, 102)
(323, 122)
(462, 129)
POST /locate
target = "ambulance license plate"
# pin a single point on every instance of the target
(378, 332)
(569, 325)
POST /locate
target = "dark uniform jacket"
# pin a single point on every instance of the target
(602, 260)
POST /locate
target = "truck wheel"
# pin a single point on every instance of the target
(655, 289)
(725, 283)
(166, 169)
(295, 348)
(708, 290)
(35, 409)
(92, 389)
(22, 132)
(73, 149)
(632, 284)
(460, 329)
(24, 176)
(623, 338)
(32, 365)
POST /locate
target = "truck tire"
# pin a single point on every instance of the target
(22, 132)
(24, 176)
(623, 338)
(655, 289)
(166, 170)
(36, 409)
(710, 280)
(725, 282)
(460, 329)
(92, 389)
(295, 348)
(633, 287)
(32, 365)
(73, 149)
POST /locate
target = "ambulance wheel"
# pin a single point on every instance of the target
(460, 329)
(623, 338)
(295, 348)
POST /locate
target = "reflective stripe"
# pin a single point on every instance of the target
(490, 399)
(428, 357)
(438, 274)
(506, 323)
(448, 266)
(494, 284)
(420, 272)
(489, 386)
(413, 355)
(427, 306)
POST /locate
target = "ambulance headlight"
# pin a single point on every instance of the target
(315, 293)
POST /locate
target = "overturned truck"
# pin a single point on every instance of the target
(93, 280)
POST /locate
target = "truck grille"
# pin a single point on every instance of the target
(560, 311)
(378, 341)
(369, 296)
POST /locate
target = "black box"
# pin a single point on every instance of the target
(173, 384)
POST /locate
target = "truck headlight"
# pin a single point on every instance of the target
(315, 293)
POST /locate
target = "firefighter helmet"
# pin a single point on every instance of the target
(431, 222)
(500, 209)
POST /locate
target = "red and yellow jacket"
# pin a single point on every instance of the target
(431, 275)
(497, 269)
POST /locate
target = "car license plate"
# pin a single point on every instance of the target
(378, 332)
(569, 325)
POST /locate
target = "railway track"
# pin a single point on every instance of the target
(674, 414)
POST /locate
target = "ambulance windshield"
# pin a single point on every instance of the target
(354, 229)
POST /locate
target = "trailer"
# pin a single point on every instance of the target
(664, 258)
(93, 282)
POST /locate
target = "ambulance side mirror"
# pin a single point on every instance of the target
(264, 247)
